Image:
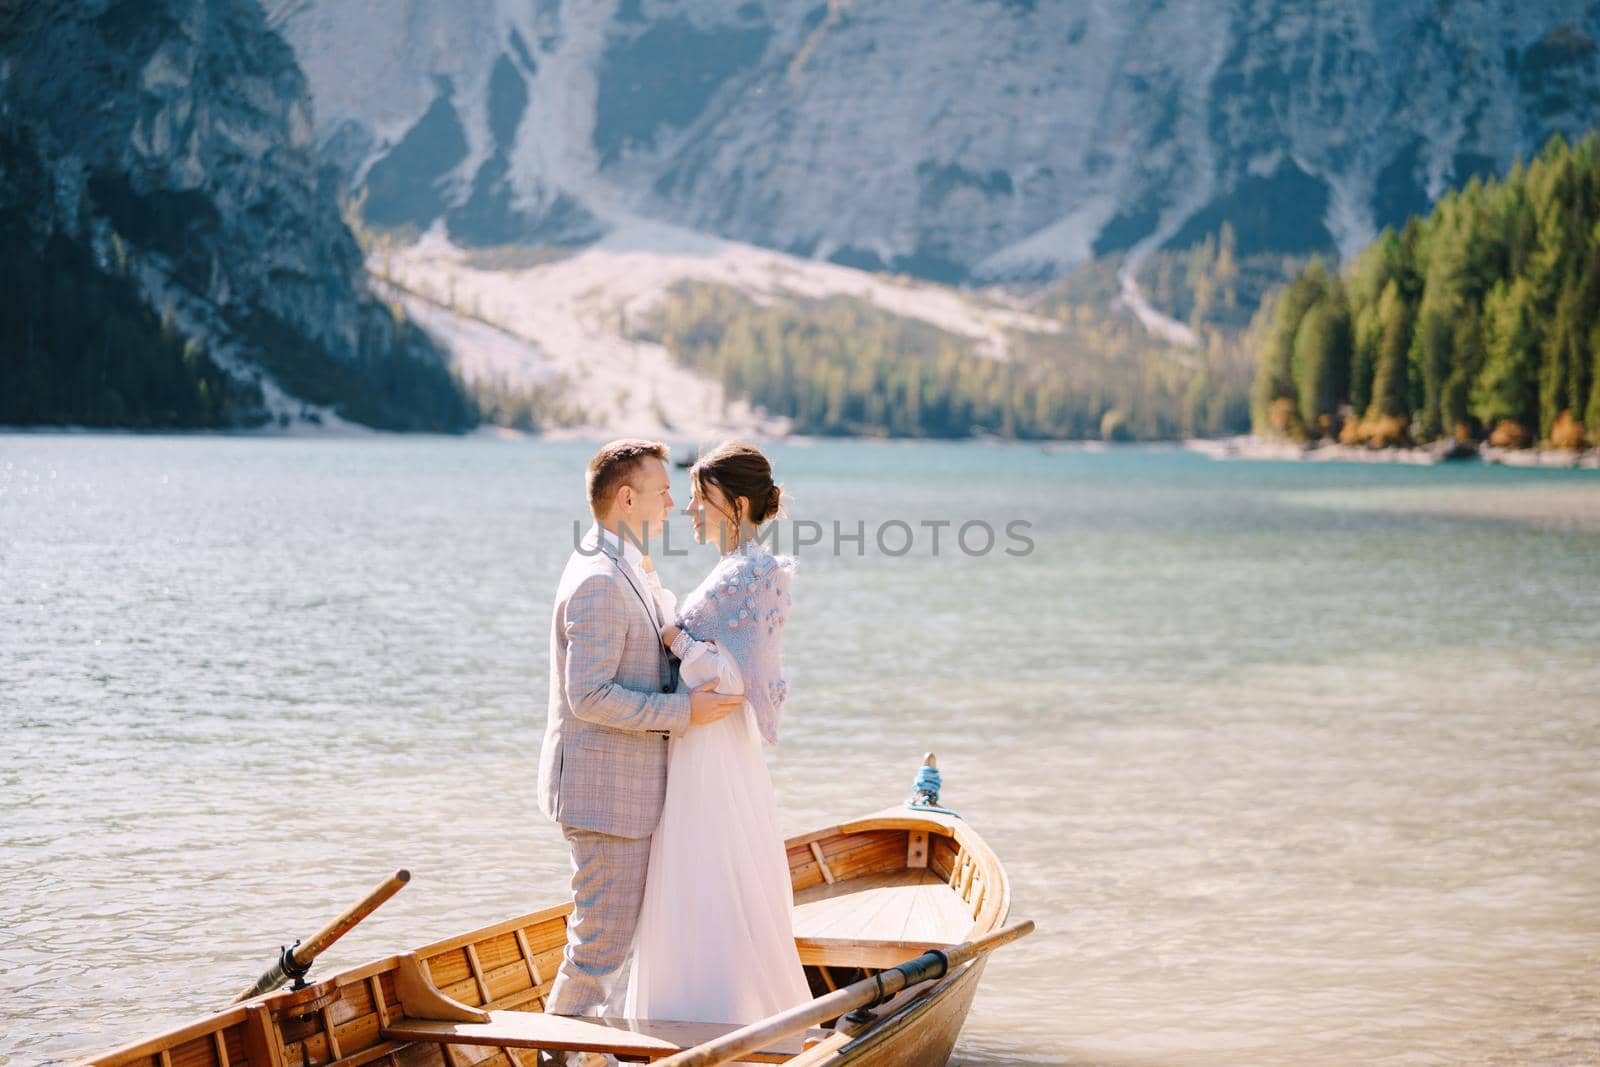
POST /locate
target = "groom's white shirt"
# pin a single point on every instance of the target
(648, 582)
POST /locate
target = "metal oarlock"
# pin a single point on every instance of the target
(293, 968)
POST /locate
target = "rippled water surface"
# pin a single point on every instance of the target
(1290, 763)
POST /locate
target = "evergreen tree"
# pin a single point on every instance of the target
(1483, 311)
(1389, 376)
(1466, 352)
(1561, 354)
(1592, 422)
(1321, 358)
(1276, 374)
(1364, 357)
(1505, 386)
(1226, 270)
(1431, 360)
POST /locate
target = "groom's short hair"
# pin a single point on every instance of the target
(615, 465)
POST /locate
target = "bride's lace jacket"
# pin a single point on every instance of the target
(742, 606)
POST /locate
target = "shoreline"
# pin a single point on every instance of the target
(1223, 449)
(1254, 448)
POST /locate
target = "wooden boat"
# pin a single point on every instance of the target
(870, 895)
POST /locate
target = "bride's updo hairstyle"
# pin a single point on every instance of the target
(740, 470)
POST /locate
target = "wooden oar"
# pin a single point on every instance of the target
(292, 962)
(930, 965)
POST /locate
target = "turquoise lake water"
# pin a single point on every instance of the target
(1289, 762)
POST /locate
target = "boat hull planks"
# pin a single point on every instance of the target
(869, 894)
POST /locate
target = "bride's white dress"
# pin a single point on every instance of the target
(715, 935)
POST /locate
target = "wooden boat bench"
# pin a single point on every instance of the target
(429, 1015)
(630, 1039)
(860, 952)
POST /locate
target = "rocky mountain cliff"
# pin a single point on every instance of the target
(172, 144)
(955, 139)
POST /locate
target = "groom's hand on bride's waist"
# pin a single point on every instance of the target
(706, 705)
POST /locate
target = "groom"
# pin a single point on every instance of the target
(603, 767)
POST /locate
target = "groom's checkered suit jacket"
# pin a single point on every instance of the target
(603, 766)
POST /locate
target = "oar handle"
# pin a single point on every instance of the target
(296, 960)
(319, 941)
(930, 965)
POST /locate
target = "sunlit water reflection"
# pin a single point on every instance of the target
(1290, 763)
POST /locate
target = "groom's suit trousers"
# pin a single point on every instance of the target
(607, 893)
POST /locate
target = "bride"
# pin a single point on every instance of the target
(715, 937)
